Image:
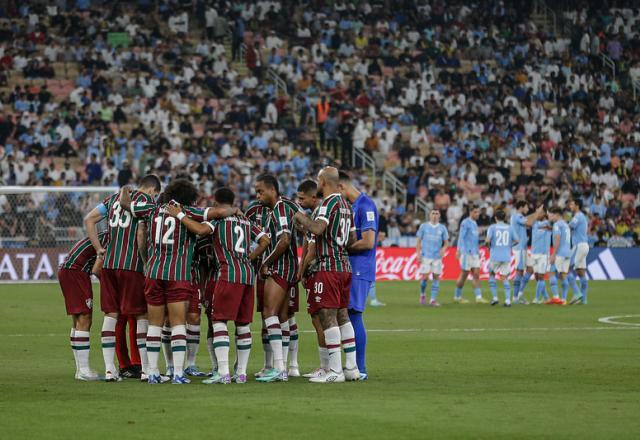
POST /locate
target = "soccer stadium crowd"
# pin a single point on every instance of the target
(463, 102)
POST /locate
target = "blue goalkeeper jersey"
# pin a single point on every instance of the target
(365, 216)
(500, 237)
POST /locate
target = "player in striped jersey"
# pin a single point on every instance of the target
(279, 268)
(308, 199)
(74, 276)
(334, 231)
(234, 278)
(122, 278)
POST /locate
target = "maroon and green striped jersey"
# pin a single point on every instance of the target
(122, 250)
(82, 255)
(202, 264)
(281, 221)
(171, 245)
(331, 245)
(258, 214)
(232, 238)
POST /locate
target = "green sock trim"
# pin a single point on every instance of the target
(108, 345)
(220, 344)
(179, 348)
(275, 337)
(81, 347)
(294, 337)
(153, 349)
(350, 349)
(244, 347)
(142, 345)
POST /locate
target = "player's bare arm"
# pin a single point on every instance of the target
(125, 198)
(535, 215)
(263, 244)
(219, 212)
(281, 247)
(353, 238)
(90, 221)
(141, 238)
(304, 223)
(192, 226)
(307, 259)
(366, 243)
(97, 266)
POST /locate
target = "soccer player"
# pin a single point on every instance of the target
(468, 255)
(199, 274)
(233, 298)
(307, 198)
(362, 256)
(74, 276)
(500, 238)
(540, 248)
(122, 278)
(561, 255)
(431, 244)
(279, 268)
(373, 297)
(520, 222)
(334, 231)
(580, 243)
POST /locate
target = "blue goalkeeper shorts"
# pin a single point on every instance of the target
(358, 294)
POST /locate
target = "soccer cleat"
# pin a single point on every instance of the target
(111, 377)
(536, 301)
(130, 373)
(351, 375)
(180, 380)
(460, 300)
(88, 376)
(153, 379)
(562, 302)
(262, 372)
(273, 375)
(481, 300)
(376, 303)
(315, 373)
(552, 301)
(423, 300)
(434, 303)
(576, 300)
(522, 300)
(494, 302)
(223, 380)
(241, 378)
(330, 377)
(215, 377)
(506, 305)
(194, 371)
(364, 376)
(294, 372)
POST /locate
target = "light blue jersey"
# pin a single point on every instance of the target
(468, 237)
(561, 228)
(578, 227)
(519, 226)
(500, 237)
(541, 238)
(432, 237)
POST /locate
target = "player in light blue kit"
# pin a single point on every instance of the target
(468, 255)
(431, 245)
(540, 248)
(362, 255)
(500, 238)
(561, 255)
(520, 222)
(580, 247)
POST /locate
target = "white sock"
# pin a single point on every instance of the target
(268, 354)
(272, 323)
(73, 348)
(286, 337)
(166, 346)
(243, 348)
(82, 341)
(221, 346)
(154, 339)
(108, 338)
(142, 326)
(178, 348)
(324, 358)
(332, 338)
(193, 343)
(293, 342)
(348, 339)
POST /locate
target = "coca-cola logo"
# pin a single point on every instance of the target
(397, 267)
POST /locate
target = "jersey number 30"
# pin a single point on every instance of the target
(343, 231)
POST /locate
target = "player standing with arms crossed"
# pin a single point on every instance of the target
(330, 297)
(500, 238)
(362, 256)
(122, 277)
(468, 255)
(579, 225)
(431, 246)
(561, 255)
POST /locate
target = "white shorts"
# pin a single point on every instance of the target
(468, 262)
(431, 265)
(500, 267)
(523, 260)
(562, 264)
(540, 263)
(580, 252)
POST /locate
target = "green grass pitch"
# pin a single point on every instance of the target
(461, 371)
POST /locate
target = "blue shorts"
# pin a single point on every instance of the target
(359, 294)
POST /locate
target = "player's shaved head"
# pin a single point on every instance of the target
(330, 175)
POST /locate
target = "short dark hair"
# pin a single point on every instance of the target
(520, 204)
(270, 181)
(473, 206)
(308, 187)
(151, 181)
(500, 215)
(555, 210)
(182, 191)
(578, 202)
(224, 196)
(343, 176)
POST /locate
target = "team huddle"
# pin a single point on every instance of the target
(565, 262)
(162, 260)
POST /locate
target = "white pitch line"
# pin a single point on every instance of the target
(406, 330)
(614, 320)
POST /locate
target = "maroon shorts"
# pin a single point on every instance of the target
(76, 289)
(259, 294)
(207, 297)
(294, 298)
(232, 302)
(122, 291)
(308, 285)
(330, 291)
(162, 292)
(194, 301)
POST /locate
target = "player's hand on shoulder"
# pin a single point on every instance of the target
(264, 272)
(173, 209)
